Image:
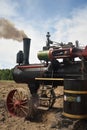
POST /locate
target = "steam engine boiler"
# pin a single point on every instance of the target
(58, 67)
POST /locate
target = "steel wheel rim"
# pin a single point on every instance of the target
(17, 103)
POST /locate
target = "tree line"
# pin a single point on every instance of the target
(6, 74)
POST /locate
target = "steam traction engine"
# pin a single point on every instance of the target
(58, 67)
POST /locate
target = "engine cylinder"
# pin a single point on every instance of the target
(45, 55)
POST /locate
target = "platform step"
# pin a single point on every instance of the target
(42, 108)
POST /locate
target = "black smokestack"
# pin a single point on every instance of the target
(26, 50)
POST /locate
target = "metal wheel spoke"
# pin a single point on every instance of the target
(11, 103)
(25, 107)
(23, 111)
(17, 112)
(10, 99)
(12, 108)
(17, 95)
(17, 102)
(24, 102)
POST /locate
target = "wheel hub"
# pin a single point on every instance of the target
(17, 104)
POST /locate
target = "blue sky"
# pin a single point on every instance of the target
(64, 19)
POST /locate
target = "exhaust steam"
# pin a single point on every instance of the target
(9, 31)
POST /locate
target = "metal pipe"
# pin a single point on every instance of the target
(26, 50)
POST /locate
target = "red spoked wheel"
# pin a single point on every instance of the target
(18, 102)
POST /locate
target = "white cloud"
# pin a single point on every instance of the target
(8, 51)
(73, 28)
(8, 8)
